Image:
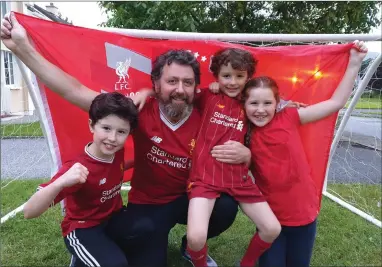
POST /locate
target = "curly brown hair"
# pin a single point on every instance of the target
(240, 60)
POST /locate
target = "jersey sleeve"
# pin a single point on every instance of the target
(67, 190)
(201, 97)
(292, 115)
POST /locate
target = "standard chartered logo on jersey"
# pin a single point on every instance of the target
(111, 193)
(160, 156)
(227, 121)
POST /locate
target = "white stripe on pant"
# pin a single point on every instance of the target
(82, 253)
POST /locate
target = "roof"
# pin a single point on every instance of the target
(49, 15)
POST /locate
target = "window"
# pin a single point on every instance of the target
(8, 68)
(5, 8)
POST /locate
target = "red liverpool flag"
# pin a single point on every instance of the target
(108, 62)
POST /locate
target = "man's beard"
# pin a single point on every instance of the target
(173, 110)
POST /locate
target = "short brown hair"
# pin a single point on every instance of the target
(113, 103)
(240, 59)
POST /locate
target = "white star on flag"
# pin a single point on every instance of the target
(196, 54)
(204, 58)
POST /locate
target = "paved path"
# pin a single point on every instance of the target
(29, 158)
(365, 126)
(25, 158)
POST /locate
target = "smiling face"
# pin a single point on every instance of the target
(109, 136)
(176, 88)
(232, 67)
(232, 81)
(261, 99)
(260, 106)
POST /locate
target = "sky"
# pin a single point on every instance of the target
(85, 14)
(88, 14)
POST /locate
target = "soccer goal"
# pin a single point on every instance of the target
(354, 168)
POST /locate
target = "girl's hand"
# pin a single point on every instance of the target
(358, 53)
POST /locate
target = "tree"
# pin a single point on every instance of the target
(245, 17)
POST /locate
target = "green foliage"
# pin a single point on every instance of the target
(245, 17)
(17, 130)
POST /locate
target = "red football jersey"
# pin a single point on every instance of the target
(162, 155)
(93, 202)
(282, 171)
(223, 119)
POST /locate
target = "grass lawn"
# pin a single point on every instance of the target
(368, 103)
(364, 197)
(343, 238)
(27, 129)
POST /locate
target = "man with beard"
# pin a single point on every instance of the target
(164, 141)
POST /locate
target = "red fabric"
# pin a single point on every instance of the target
(248, 193)
(198, 258)
(93, 202)
(81, 53)
(255, 249)
(282, 171)
(223, 119)
(162, 156)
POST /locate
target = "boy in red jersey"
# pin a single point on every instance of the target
(90, 183)
(223, 119)
(280, 166)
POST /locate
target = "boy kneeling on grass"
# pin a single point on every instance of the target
(90, 183)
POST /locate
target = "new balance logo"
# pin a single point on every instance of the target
(240, 126)
(102, 181)
(156, 139)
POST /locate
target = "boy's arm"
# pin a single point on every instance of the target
(45, 196)
(140, 98)
(289, 104)
(232, 152)
(42, 200)
(52, 76)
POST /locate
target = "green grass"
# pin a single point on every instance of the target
(343, 238)
(16, 193)
(25, 130)
(363, 196)
(367, 103)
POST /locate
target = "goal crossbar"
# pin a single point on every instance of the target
(254, 37)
